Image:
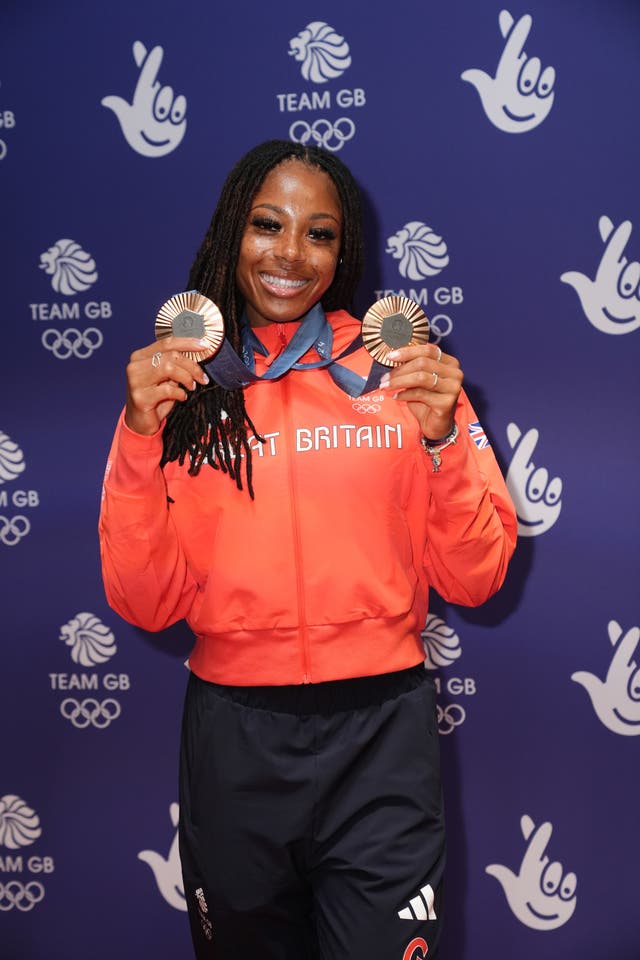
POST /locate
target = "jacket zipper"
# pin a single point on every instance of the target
(295, 521)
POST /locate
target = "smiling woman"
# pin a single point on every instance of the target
(311, 821)
(290, 245)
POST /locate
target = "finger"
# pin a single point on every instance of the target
(525, 448)
(614, 251)
(181, 344)
(174, 365)
(429, 350)
(149, 71)
(517, 38)
(538, 844)
(626, 648)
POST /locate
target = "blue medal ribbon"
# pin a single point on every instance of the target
(232, 372)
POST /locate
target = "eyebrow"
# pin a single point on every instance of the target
(281, 211)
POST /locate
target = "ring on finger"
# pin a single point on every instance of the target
(439, 357)
(435, 379)
(155, 359)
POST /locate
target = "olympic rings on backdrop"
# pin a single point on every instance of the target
(81, 713)
(331, 136)
(66, 343)
(155, 359)
(439, 332)
(13, 529)
(23, 896)
(452, 716)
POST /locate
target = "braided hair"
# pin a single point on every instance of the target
(212, 424)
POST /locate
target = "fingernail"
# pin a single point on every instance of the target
(205, 378)
(384, 381)
(394, 355)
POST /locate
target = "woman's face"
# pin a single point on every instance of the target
(290, 244)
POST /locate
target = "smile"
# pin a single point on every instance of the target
(630, 723)
(614, 319)
(514, 116)
(542, 916)
(282, 283)
(154, 143)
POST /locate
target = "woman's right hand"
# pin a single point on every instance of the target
(158, 376)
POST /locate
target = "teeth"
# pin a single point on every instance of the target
(282, 281)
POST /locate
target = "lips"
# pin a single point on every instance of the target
(282, 286)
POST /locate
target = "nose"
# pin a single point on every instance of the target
(289, 247)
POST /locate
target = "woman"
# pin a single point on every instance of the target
(311, 816)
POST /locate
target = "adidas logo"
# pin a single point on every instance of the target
(420, 907)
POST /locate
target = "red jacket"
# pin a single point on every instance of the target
(325, 575)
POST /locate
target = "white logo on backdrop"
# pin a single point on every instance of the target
(72, 342)
(520, 95)
(167, 871)
(442, 649)
(11, 459)
(324, 133)
(541, 895)
(72, 269)
(22, 896)
(616, 699)
(19, 824)
(611, 301)
(155, 122)
(441, 643)
(13, 529)
(537, 498)
(322, 53)
(422, 252)
(90, 640)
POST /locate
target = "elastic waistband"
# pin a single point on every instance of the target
(332, 696)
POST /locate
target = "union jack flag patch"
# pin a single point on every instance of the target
(477, 434)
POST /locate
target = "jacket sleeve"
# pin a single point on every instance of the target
(145, 573)
(472, 524)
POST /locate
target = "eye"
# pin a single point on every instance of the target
(179, 109)
(528, 76)
(554, 492)
(162, 103)
(537, 484)
(268, 224)
(546, 82)
(550, 880)
(633, 687)
(322, 233)
(629, 280)
(568, 888)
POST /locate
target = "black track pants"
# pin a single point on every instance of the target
(311, 820)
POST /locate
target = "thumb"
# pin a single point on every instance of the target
(117, 104)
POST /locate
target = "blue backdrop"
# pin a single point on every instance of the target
(498, 154)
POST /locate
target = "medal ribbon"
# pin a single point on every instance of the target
(232, 372)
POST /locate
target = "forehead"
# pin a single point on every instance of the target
(299, 183)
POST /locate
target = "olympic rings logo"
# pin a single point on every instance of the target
(449, 717)
(13, 530)
(23, 896)
(440, 327)
(3, 149)
(81, 713)
(365, 407)
(67, 343)
(331, 136)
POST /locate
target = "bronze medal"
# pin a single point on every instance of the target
(391, 323)
(191, 314)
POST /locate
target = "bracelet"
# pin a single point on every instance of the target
(435, 447)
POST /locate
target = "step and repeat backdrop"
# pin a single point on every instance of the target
(498, 154)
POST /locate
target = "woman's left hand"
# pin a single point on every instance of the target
(429, 382)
